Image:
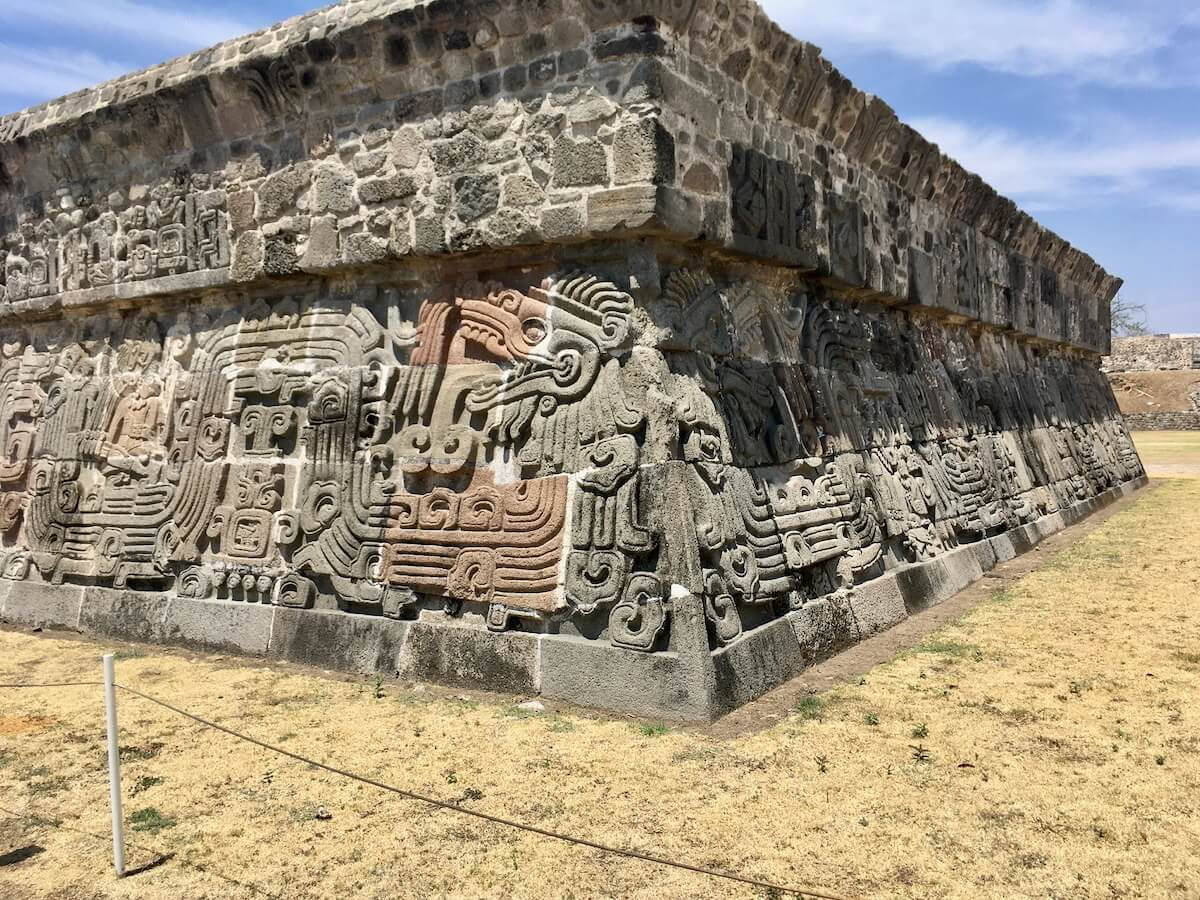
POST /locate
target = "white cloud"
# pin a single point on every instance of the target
(149, 23)
(1078, 170)
(35, 73)
(1181, 201)
(1085, 41)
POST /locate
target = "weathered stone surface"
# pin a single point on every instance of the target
(321, 251)
(1164, 421)
(469, 657)
(239, 627)
(625, 354)
(1154, 353)
(45, 605)
(365, 645)
(579, 163)
(629, 208)
(277, 194)
(521, 190)
(1153, 379)
(476, 196)
(643, 152)
(380, 190)
(124, 615)
(333, 189)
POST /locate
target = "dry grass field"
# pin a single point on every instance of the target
(1047, 744)
(1169, 453)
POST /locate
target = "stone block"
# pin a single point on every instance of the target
(521, 190)
(248, 255)
(363, 249)
(628, 207)
(241, 211)
(985, 555)
(1004, 548)
(773, 208)
(579, 163)
(847, 246)
(430, 235)
(366, 645)
(218, 625)
(586, 673)
(321, 251)
(392, 187)
(877, 605)
(43, 605)
(930, 583)
(277, 195)
(124, 615)
(280, 256)
(470, 657)
(643, 152)
(333, 189)
(760, 661)
(824, 627)
(476, 196)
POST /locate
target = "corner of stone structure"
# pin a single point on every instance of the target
(618, 351)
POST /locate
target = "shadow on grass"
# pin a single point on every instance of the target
(16, 857)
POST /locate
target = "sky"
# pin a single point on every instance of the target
(1085, 112)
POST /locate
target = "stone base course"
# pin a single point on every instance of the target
(686, 684)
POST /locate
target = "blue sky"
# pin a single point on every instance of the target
(1083, 111)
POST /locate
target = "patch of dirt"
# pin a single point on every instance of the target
(12, 725)
(1156, 392)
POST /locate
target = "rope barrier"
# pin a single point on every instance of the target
(488, 817)
(61, 684)
(813, 893)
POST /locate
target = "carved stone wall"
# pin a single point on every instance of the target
(544, 365)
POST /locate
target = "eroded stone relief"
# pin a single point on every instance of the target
(173, 231)
(535, 455)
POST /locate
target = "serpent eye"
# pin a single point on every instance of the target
(534, 331)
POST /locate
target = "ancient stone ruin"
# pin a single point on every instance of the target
(1156, 378)
(616, 350)
(1154, 353)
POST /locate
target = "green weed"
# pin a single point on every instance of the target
(516, 712)
(150, 820)
(810, 708)
(144, 784)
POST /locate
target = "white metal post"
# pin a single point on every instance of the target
(114, 765)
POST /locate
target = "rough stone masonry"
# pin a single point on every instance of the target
(1149, 375)
(615, 350)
